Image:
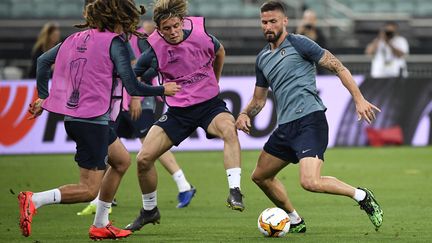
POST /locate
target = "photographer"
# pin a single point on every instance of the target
(389, 51)
(308, 27)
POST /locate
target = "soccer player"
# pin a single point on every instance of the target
(82, 90)
(286, 65)
(135, 120)
(183, 53)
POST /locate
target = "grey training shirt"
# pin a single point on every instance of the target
(290, 72)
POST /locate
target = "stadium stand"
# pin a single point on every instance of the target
(349, 24)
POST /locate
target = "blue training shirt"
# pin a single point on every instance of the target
(290, 72)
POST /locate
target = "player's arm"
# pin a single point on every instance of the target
(219, 62)
(121, 59)
(219, 57)
(43, 74)
(364, 109)
(258, 101)
(252, 109)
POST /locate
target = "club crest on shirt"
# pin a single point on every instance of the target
(283, 52)
(163, 118)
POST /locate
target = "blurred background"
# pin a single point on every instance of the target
(347, 25)
(348, 28)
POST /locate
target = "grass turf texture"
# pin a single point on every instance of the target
(400, 178)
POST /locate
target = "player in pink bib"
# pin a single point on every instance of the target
(182, 52)
(86, 90)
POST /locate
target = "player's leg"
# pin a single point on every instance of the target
(264, 175)
(186, 190)
(222, 126)
(155, 144)
(119, 160)
(310, 146)
(91, 143)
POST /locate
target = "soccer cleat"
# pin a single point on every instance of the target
(114, 203)
(27, 210)
(300, 227)
(235, 199)
(372, 208)
(89, 210)
(145, 217)
(184, 198)
(108, 232)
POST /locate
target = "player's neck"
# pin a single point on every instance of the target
(281, 39)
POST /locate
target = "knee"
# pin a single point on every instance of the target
(229, 133)
(310, 184)
(123, 164)
(258, 179)
(145, 160)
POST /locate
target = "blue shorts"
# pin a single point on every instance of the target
(92, 141)
(125, 127)
(304, 137)
(180, 122)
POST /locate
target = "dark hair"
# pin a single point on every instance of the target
(393, 23)
(273, 5)
(106, 14)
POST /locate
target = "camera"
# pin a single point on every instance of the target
(308, 26)
(389, 34)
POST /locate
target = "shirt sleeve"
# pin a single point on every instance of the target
(306, 47)
(216, 43)
(130, 51)
(402, 44)
(43, 70)
(261, 81)
(146, 66)
(121, 59)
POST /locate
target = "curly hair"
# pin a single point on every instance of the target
(165, 9)
(107, 14)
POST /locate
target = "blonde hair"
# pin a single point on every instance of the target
(43, 41)
(165, 9)
(106, 14)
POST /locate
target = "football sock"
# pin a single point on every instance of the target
(95, 201)
(359, 195)
(180, 179)
(47, 197)
(234, 175)
(149, 200)
(294, 217)
(102, 211)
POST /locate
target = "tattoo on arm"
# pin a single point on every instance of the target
(253, 109)
(330, 62)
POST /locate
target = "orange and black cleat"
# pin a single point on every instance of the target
(27, 210)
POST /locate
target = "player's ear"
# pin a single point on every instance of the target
(285, 21)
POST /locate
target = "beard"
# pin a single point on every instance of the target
(274, 37)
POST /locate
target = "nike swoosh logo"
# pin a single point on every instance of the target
(305, 151)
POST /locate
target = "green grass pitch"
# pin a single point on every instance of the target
(401, 179)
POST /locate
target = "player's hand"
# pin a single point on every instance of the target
(35, 108)
(243, 123)
(366, 111)
(171, 88)
(135, 108)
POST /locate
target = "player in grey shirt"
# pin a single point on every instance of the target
(287, 65)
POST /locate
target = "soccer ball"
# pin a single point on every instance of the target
(273, 222)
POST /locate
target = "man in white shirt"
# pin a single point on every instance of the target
(389, 51)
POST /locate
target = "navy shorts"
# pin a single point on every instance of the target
(125, 127)
(180, 122)
(304, 137)
(92, 141)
